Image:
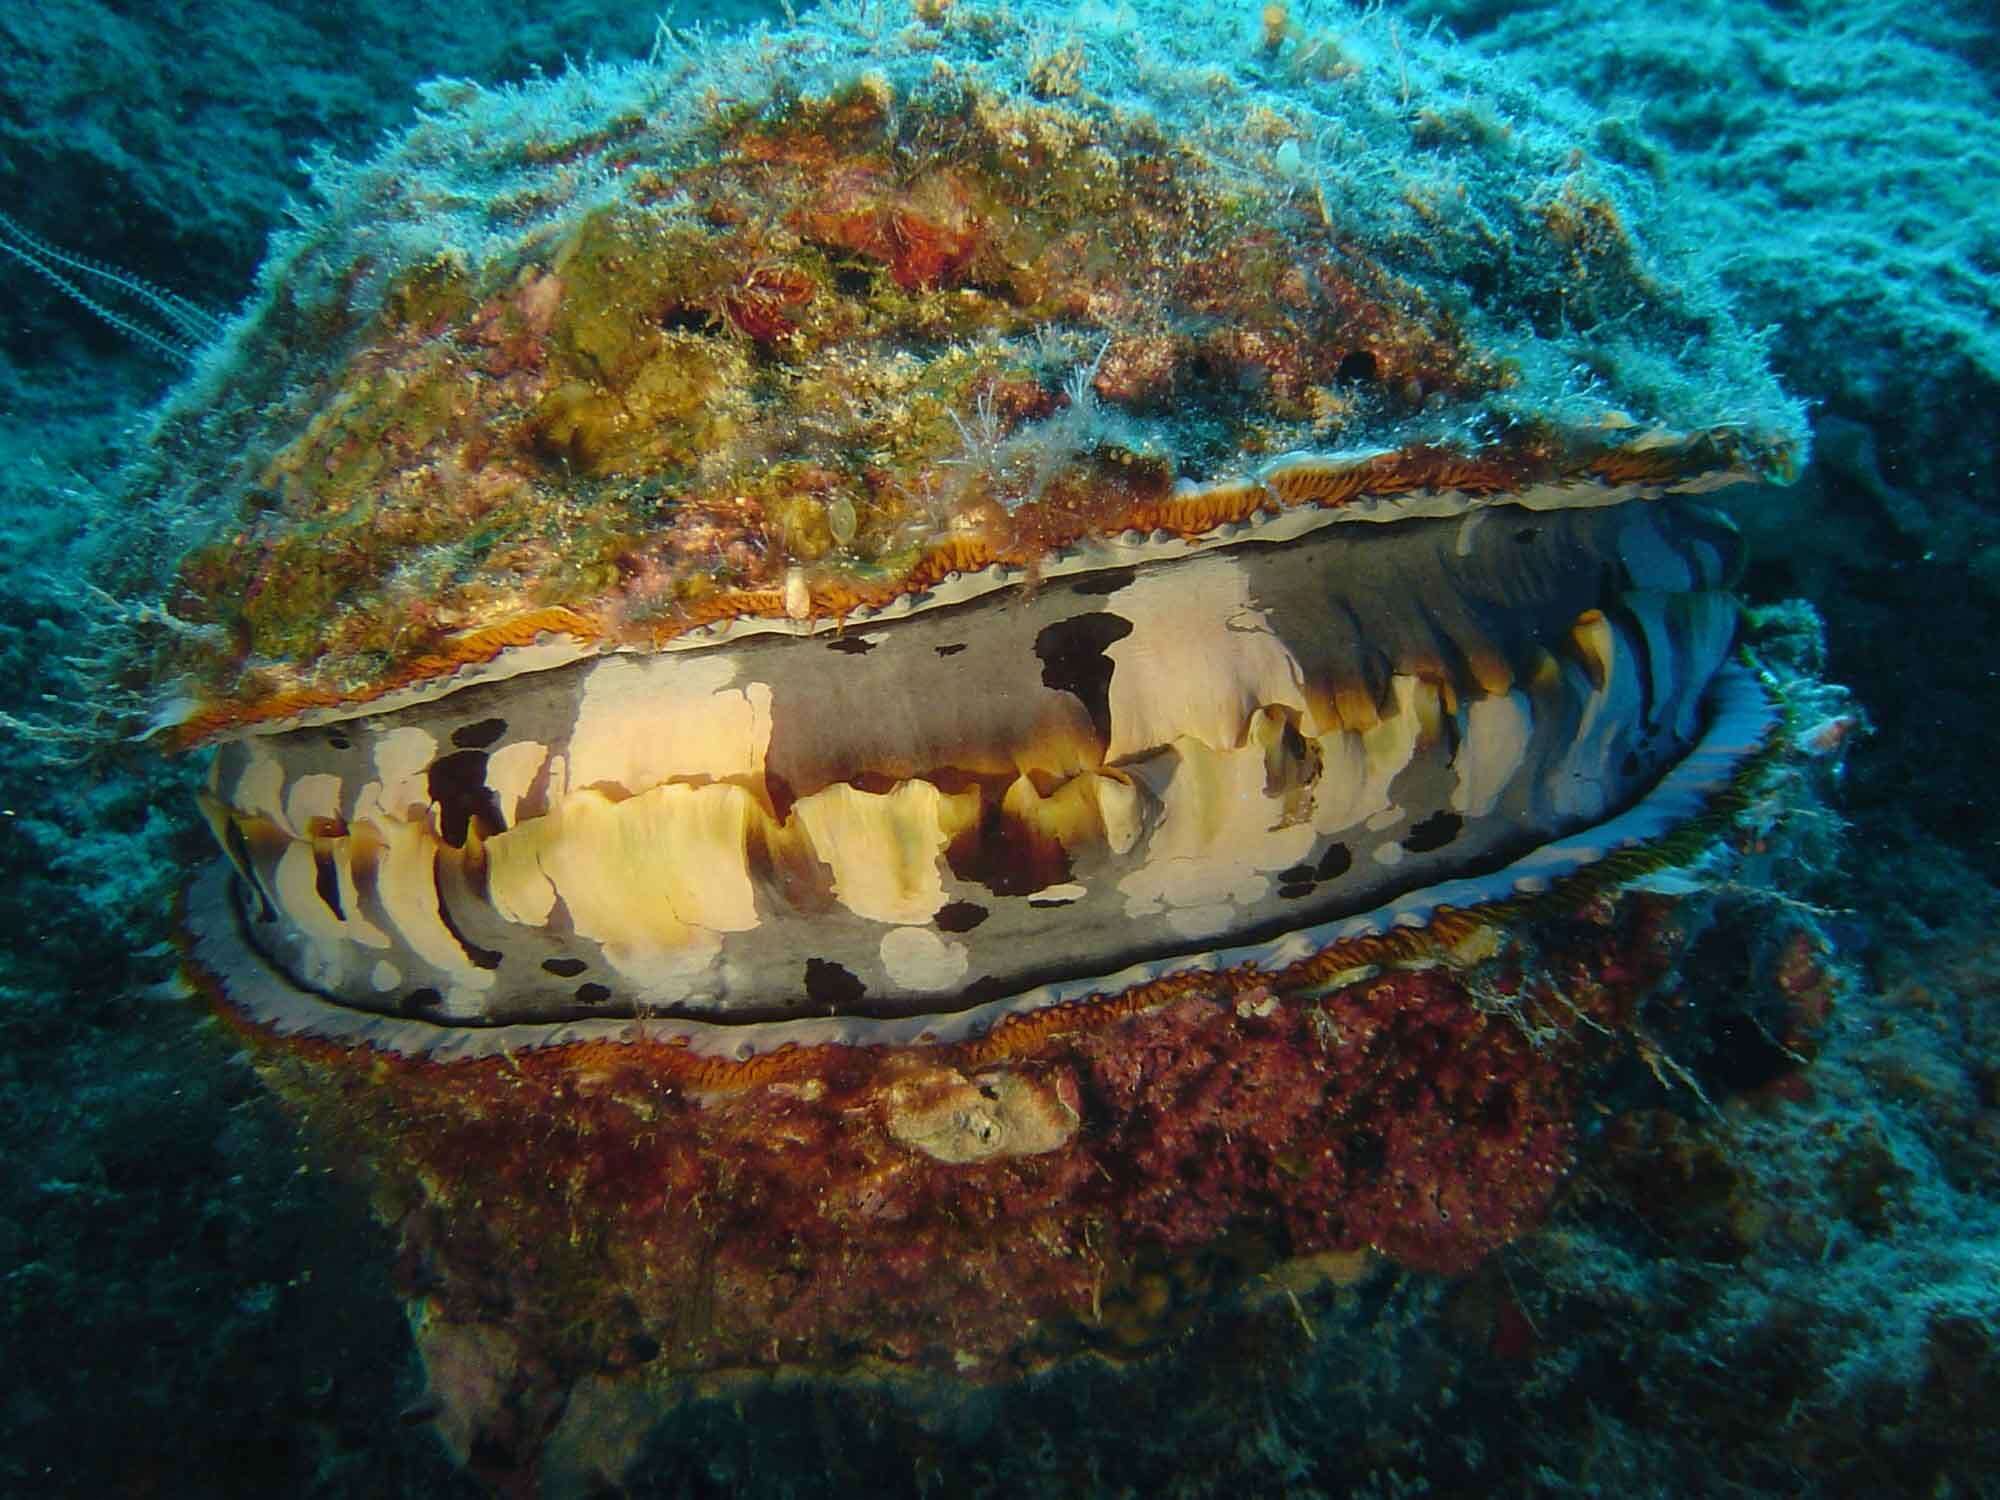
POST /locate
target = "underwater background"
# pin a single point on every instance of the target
(1786, 1282)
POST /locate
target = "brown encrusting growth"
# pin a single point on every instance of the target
(966, 1214)
(848, 348)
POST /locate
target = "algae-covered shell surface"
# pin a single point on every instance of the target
(832, 607)
(798, 324)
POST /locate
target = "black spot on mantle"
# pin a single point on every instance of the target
(1333, 864)
(417, 1002)
(832, 987)
(457, 783)
(1110, 581)
(960, 916)
(1299, 880)
(1073, 661)
(1439, 829)
(479, 736)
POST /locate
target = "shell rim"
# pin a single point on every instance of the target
(1287, 497)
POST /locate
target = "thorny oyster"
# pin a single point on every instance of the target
(875, 682)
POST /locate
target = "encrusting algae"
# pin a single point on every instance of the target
(642, 343)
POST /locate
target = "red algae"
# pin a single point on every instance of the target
(589, 1205)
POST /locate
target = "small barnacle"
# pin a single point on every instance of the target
(770, 302)
(1274, 25)
(841, 521)
(1057, 73)
(798, 594)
